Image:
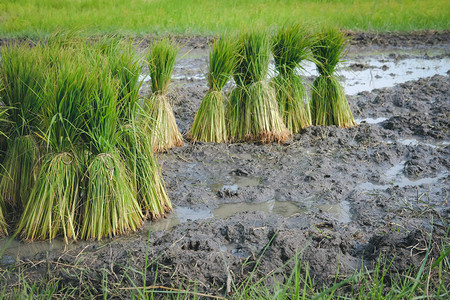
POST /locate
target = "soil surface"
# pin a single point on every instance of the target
(337, 197)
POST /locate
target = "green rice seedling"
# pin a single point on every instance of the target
(164, 129)
(290, 46)
(329, 106)
(126, 66)
(252, 112)
(111, 206)
(148, 180)
(22, 73)
(51, 208)
(209, 122)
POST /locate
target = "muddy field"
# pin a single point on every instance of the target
(339, 197)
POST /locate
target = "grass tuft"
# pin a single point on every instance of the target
(329, 106)
(209, 122)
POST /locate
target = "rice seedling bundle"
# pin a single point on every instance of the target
(19, 92)
(209, 122)
(164, 130)
(147, 176)
(111, 205)
(329, 106)
(136, 144)
(290, 46)
(252, 112)
(88, 183)
(51, 207)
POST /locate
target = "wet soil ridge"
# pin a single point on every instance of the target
(339, 197)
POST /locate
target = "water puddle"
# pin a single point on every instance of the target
(397, 178)
(414, 142)
(11, 249)
(370, 120)
(281, 208)
(390, 72)
(339, 211)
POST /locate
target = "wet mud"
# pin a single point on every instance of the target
(337, 197)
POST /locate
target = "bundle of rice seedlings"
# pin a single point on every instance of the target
(111, 206)
(54, 198)
(126, 67)
(89, 182)
(329, 106)
(290, 46)
(209, 122)
(147, 175)
(164, 130)
(22, 73)
(53, 201)
(252, 112)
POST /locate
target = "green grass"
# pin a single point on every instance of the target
(138, 17)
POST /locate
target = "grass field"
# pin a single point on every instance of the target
(139, 17)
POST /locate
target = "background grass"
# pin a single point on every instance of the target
(139, 17)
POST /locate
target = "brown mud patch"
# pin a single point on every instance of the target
(337, 197)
